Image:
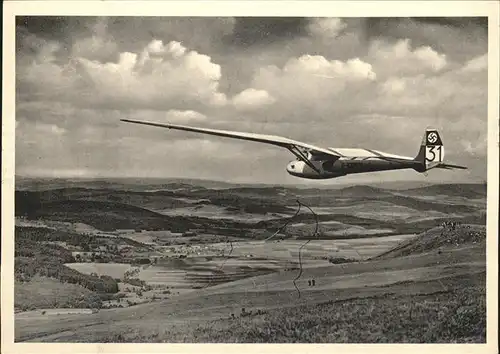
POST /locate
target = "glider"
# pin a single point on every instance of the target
(323, 163)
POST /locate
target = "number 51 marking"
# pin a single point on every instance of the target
(431, 150)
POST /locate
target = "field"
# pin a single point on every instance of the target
(193, 262)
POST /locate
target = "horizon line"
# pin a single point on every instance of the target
(96, 178)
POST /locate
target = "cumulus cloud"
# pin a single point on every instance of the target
(160, 76)
(43, 76)
(316, 64)
(401, 59)
(393, 86)
(328, 27)
(185, 115)
(476, 64)
(99, 46)
(312, 80)
(451, 93)
(171, 116)
(252, 99)
(94, 48)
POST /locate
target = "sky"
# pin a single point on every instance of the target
(332, 82)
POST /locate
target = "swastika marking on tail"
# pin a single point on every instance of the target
(432, 137)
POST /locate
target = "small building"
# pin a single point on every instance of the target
(86, 256)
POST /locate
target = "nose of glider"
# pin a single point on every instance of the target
(295, 167)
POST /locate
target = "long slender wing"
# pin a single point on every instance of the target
(261, 138)
(450, 167)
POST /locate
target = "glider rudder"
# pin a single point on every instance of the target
(431, 153)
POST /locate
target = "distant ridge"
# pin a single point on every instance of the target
(363, 191)
(126, 183)
(467, 190)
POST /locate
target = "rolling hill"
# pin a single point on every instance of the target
(451, 234)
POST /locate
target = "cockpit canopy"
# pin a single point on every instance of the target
(315, 156)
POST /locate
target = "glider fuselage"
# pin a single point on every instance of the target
(352, 161)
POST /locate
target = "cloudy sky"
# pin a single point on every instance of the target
(349, 82)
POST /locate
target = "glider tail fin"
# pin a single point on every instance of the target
(431, 153)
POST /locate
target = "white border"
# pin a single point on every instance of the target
(243, 8)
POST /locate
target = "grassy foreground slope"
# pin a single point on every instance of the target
(446, 305)
(43, 292)
(451, 234)
(454, 313)
(445, 316)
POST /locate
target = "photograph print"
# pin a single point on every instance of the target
(250, 179)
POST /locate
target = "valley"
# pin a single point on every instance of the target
(137, 256)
